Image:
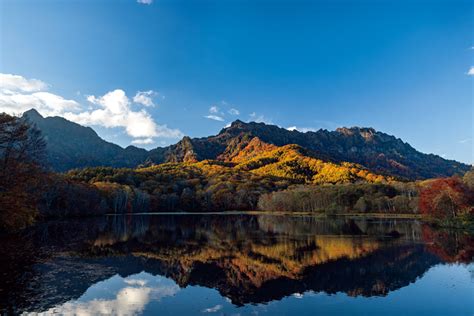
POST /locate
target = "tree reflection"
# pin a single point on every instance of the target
(249, 259)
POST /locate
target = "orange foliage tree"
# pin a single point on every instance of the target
(449, 245)
(445, 198)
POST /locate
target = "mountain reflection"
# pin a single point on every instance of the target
(247, 258)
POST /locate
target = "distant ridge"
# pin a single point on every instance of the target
(71, 145)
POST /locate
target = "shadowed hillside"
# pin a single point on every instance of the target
(70, 145)
(73, 146)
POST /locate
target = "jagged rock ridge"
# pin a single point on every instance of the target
(71, 145)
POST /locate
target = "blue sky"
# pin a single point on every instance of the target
(402, 67)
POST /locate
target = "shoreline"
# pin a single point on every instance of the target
(318, 215)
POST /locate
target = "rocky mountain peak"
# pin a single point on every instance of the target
(71, 145)
(32, 114)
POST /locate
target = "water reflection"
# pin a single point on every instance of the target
(222, 263)
(119, 296)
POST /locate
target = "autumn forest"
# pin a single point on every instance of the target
(247, 174)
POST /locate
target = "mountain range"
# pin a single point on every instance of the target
(71, 146)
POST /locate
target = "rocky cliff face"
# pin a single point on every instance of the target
(377, 151)
(71, 145)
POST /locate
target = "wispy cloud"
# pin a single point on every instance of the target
(213, 109)
(143, 141)
(212, 309)
(218, 112)
(145, 97)
(259, 118)
(233, 111)
(215, 113)
(470, 72)
(464, 141)
(214, 117)
(148, 2)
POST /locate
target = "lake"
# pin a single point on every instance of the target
(237, 264)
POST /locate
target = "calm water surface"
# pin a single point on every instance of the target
(236, 265)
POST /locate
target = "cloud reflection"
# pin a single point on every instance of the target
(130, 296)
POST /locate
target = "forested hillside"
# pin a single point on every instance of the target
(376, 151)
(70, 146)
(248, 173)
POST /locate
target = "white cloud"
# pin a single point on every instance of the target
(145, 97)
(166, 132)
(212, 309)
(145, 1)
(471, 71)
(143, 141)
(216, 114)
(131, 298)
(214, 117)
(19, 83)
(114, 111)
(234, 111)
(464, 141)
(301, 129)
(19, 94)
(47, 103)
(259, 118)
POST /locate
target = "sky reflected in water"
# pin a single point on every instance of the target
(445, 289)
(237, 265)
